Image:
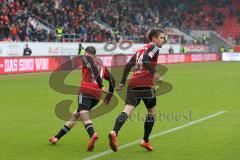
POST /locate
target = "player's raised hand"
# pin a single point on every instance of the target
(157, 77)
(104, 90)
(119, 87)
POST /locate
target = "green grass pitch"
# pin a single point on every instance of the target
(27, 118)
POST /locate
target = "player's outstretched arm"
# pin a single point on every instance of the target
(109, 77)
(126, 71)
(90, 62)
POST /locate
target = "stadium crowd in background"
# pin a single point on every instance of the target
(16, 25)
(130, 19)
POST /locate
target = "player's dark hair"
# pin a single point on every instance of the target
(154, 33)
(91, 50)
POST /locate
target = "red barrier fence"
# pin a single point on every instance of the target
(188, 58)
(14, 65)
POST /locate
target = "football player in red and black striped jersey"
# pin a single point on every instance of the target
(89, 95)
(141, 87)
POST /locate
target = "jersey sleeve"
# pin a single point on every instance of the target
(128, 68)
(88, 61)
(151, 52)
(109, 77)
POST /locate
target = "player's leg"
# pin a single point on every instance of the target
(123, 116)
(86, 121)
(66, 128)
(149, 123)
(84, 107)
(118, 124)
(131, 102)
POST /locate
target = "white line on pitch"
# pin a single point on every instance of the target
(234, 111)
(23, 74)
(156, 135)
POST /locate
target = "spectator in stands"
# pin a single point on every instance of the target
(59, 32)
(222, 49)
(204, 39)
(184, 50)
(27, 51)
(131, 18)
(231, 49)
(170, 50)
(238, 16)
(117, 36)
(80, 50)
(238, 41)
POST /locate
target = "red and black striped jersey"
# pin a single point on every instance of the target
(144, 61)
(92, 75)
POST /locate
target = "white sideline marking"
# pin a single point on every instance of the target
(234, 111)
(23, 74)
(156, 135)
(29, 74)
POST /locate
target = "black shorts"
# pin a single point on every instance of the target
(86, 102)
(135, 95)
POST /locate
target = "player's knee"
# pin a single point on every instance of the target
(76, 115)
(151, 111)
(128, 113)
(84, 114)
(128, 110)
